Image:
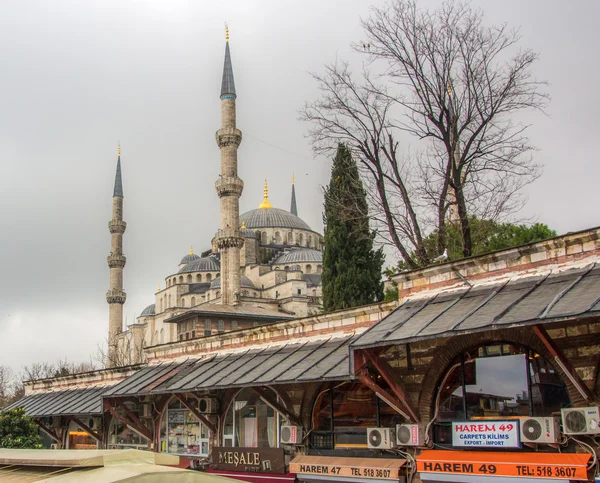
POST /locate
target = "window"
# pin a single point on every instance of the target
(234, 325)
(182, 302)
(207, 327)
(277, 238)
(308, 269)
(290, 238)
(199, 278)
(500, 381)
(250, 422)
(221, 326)
(299, 291)
(208, 277)
(263, 238)
(319, 268)
(342, 415)
(121, 436)
(300, 238)
(162, 336)
(189, 279)
(168, 283)
(193, 302)
(276, 294)
(180, 279)
(169, 301)
(181, 433)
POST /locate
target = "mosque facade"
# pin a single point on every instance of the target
(260, 267)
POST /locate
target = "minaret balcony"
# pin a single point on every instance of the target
(117, 226)
(229, 185)
(228, 137)
(229, 238)
(116, 261)
(116, 296)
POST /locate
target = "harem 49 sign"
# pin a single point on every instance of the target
(479, 434)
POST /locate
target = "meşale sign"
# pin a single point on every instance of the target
(488, 434)
(250, 460)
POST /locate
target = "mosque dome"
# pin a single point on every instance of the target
(245, 282)
(150, 310)
(204, 264)
(272, 218)
(190, 257)
(248, 233)
(300, 255)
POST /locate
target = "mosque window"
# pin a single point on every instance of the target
(308, 269)
(309, 242)
(319, 268)
(221, 326)
(169, 301)
(161, 304)
(276, 294)
(300, 238)
(180, 279)
(287, 267)
(250, 422)
(199, 278)
(193, 301)
(207, 327)
(263, 238)
(168, 283)
(182, 302)
(155, 340)
(299, 291)
(208, 277)
(290, 238)
(181, 433)
(162, 336)
(277, 238)
(189, 279)
(298, 267)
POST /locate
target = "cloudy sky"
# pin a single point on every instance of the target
(76, 77)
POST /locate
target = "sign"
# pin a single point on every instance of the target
(380, 468)
(524, 465)
(251, 460)
(488, 434)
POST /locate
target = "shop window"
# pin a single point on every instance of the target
(251, 423)
(181, 433)
(121, 436)
(79, 439)
(342, 415)
(500, 381)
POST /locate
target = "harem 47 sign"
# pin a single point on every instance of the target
(479, 434)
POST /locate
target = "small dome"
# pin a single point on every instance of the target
(245, 282)
(150, 310)
(272, 218)
(190, 257)
(204, 264)
(248, 233)
(301, 255)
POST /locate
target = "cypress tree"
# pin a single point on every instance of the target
(351, 267)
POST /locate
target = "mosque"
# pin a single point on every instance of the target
(261, 267)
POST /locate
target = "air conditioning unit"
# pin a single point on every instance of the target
(291, 435)
(380, 438)
(208, 405)
(581, 420)
(54, 446)
(95, 423)
(409, 435)
(539, 430)
(146, 410)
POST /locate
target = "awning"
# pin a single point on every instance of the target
(535, 299)
(466, 466)
(255, 477)
(295, 362)
(72, 402)
(349, 469)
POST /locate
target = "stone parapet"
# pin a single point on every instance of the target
(229, 238)
(228, 136)
(229, 185)
(116, 261)
(116, 296)
(117, 226)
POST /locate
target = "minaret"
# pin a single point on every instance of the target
(229, 188)
(116, 261)
(293, 208)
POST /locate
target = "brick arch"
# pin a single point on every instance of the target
(456, 345)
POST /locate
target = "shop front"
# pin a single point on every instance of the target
(502, 467)
(313, 469)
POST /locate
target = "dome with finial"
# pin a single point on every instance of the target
(202, 264)
(245, 282)
(190, 257)
(148, 311)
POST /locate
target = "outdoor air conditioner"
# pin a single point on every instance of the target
(208, 405)
(409, 434)
(95, 423)
(291, 435)
(581, 420)
(380, 438)
(540, 430)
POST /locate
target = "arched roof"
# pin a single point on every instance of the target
(150, 310)
(204, 264)
(272, 218)
(190, 257)
(245, 282)
(300, 255)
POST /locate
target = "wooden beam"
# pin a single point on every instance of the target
(360, 360)
(86, 428)
(562, 362)
(396, 386)
(384, 395)
(140, 429)
(133, 417)
(48, 431)
(197, 413)
(280, 408)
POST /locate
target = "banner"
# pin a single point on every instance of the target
(486, 434)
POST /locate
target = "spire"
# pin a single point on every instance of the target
(227, 86)
(265, 203)
(293, 208)
(118, 191)
(191, 250)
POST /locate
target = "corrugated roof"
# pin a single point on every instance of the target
(293, 362)
(71, 402)
(541, 298)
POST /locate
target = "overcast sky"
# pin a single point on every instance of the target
(77, 76)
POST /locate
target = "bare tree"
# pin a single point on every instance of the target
(456, 85)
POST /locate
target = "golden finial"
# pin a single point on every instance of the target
(265, 203)
(119, 150)
(243, 224)
(226, 32)
(158, 288)
(292, 178)
(191, 250)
